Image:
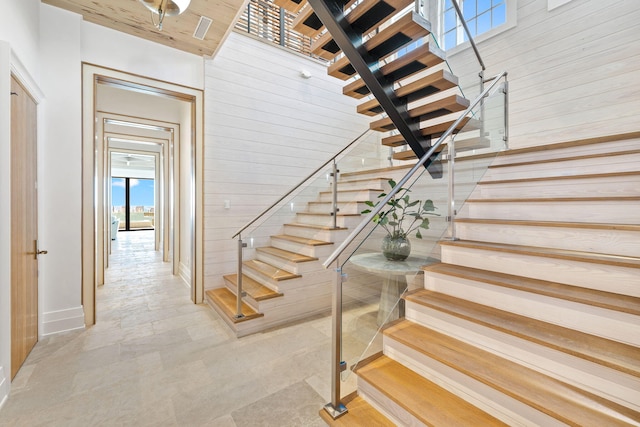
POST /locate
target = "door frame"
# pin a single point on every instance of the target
(93, 75)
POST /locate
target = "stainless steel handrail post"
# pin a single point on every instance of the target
(451, 214)
(334, 194)
(239, 295)
(506, 112)
(335, 408)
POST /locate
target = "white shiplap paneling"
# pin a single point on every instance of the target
(266, 129)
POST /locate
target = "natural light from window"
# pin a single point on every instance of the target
(480, 15)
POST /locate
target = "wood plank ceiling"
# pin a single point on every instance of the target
(132, 17)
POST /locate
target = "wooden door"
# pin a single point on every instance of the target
(24, 227)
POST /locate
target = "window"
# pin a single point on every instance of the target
(480, 15)
(132, 202)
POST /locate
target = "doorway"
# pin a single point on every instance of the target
(143, 107)
(24, 225)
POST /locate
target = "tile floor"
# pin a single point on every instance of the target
(154, 358)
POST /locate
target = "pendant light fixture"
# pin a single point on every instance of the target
(165, 8)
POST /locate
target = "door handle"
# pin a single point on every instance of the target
(36, 251)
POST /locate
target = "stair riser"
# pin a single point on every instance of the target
(267, 281)
(614, 242)
(589, 149)
(598, 379)
(628, 163)
(386, 406)
(327, 220)
(350, 196)
(283, 264)
(247, 299)
(364, 184)
(612, 212)
(606, 187)
(598, 321)
(321, 251)
(312, 233)
(488, 399)
(343, 208)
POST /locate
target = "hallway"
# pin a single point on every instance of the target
(155, 358)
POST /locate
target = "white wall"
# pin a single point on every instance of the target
(19, 38)
(572, 70)
(266, 129)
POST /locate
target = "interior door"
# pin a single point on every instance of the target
(24, 227)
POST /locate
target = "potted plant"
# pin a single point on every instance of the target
(399, 219)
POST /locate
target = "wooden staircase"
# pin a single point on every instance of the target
(286, 281)
(404, 73)
(533, 317)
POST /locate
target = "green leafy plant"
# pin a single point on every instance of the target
(401, 216)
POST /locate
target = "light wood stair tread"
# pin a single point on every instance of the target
(315, 226)
(360, 414)
(224, 299)
(286, 255)
(564, 177)
(422, 57)
(364, 17)
(254, 289)
(450, 104)
(308, 23)
(557, 224)
(356, 181)
(430, 403)
(354, 191)
(619, 260)
(427, 85)
(377, 45)
(292, 6)
(615, 355)
(269, 270)
(594, 297)
(434, 131)
(327, 214)
(557, 199)
(548, 395)
(302, 240)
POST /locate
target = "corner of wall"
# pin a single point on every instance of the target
(54, 322)
(185, 274)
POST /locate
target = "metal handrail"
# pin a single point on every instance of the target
(466, 29)
(274, 204)
(375, 210)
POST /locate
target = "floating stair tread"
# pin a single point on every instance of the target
(355, 181)
(557, 224)
(270, 271)
(564, 177)
(360, 414)
(548, 395)
(292, 6)
(366, 16)
(354, 191)
(424, 56)
(450, 104)
(618, 260)
(428, 402)
(410, 154)
(285, 255)
(315, 226)
(594, 297)
(379, 46)
(308, 23)
(253, 288)
(615, 355)
(224, 299)
(434, 131)
(302, 240)
(439, 81)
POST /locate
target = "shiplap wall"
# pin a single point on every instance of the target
(573, 71)
(266, 128)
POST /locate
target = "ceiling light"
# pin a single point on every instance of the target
(165, 8)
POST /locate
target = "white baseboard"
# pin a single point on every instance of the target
(185, 274)
(54, 322)
(4, 388)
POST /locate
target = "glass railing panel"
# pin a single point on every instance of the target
(372, 285)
